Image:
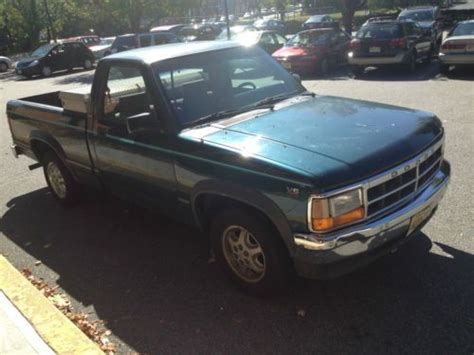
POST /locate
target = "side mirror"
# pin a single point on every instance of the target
(297, 77)
(143, 122)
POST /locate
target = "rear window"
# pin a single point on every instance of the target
(380, 31)
(418, 16)
(464, 29)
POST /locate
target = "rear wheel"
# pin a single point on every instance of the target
(357, 71)
(3, 67)
(411, 63)
(46, 71)
(249, 251)
(323, 67)
(60, 181)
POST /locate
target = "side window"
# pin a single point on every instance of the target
(145, 40)
(279, 39)
(125, 96)
(267, 39)
(159, 39)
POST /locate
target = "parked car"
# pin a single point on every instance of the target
(88, 41)
(383, 43)
(235, 31)
(429, 18)
(5, 64)
(139, 40)
(103, 47)
(203, 32)
(270, 25)
(319, 21)
(458, 47)
(169, 28)
(200, 131)
(315, 50)
(269, 41)
(50, 58)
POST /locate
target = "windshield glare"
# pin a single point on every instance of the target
(230, 79)
(418, 16)
(43, 50)
(464, 29)
(304, 39)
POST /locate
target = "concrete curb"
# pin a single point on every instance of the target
(52, 325)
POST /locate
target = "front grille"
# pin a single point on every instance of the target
(401, 185)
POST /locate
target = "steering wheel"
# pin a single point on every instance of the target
(247, 84)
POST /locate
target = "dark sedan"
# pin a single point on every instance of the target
(320, 21)
(50, 58)
(270, 25)
(269, 41)
(314, 50)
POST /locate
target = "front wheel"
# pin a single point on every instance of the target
(46, 71)
(60, 181)
(411, 63)
(253, 256)
(444, 69)
(3, 67)
(323, 67)
(87, 64)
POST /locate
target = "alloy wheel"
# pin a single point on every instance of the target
(56, 180)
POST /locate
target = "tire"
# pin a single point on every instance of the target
(444, 69)
(46, 71)
(236, 234)
(411, 64)
(62, 185)
(323, 67)
(3, 67)
(357, 71)
(429, 56)
(87, 64)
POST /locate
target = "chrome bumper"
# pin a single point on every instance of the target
(359, 239)
(453, 59)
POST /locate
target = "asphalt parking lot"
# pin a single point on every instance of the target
(151, 280)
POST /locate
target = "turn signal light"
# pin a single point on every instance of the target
(322, 224)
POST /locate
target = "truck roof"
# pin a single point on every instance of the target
(173, 50)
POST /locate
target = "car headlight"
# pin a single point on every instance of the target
(33, 63)
(336, 211)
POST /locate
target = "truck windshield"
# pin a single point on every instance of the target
(222, 81)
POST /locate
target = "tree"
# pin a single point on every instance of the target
(348, 9)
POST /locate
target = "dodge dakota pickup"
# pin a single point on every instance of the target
(220, 136)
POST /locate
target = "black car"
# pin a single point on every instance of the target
(54, 57)
(385, 43)
(204, 32)
(138, 40)
(429, 18)
(320, 21)
(270, 25)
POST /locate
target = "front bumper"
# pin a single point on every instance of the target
(400, 58)
(29, 71)
(459, 59)
(335, 254)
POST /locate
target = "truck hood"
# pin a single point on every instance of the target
(333, 141)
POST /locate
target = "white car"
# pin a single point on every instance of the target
(5, 64)
(458, 47)
(104, 45)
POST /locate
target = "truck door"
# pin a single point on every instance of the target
(130, 151)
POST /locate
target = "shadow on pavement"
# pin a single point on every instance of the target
(149, 278)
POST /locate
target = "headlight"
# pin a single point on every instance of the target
(336, 211)
(33, 63)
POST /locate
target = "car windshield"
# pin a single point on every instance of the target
(217, 83)
(235, 31)
(304, 39)
(261, 23)
(43, 50)
(464, 29)
(106, 41)
(315, 19)
(380, 31)
(418, 16)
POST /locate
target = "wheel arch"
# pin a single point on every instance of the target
(211, 196)
(41, 143)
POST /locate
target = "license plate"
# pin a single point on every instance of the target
(418, 219)
(286, 65)
(375, 49)
(470, 48)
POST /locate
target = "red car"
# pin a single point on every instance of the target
(88, 41)
(314, 50)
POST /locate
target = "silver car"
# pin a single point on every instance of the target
(458, 47)
(5, 64)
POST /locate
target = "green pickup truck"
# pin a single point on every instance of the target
(220, 136)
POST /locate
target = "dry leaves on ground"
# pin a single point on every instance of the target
(94, 330)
